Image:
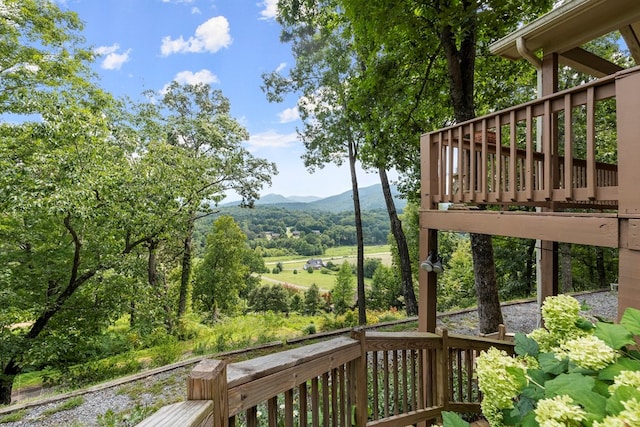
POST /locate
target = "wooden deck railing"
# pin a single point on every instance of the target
(371, 378)
(541, 152)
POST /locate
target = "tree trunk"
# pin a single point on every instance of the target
(461, 73)
(152, 277)
(489, 312)
(411, 304)
(9, 373)
(362, 309)
(185, 279)
(530, 264)
(567, 275)
(600, 270)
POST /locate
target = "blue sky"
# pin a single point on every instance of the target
(145, 44)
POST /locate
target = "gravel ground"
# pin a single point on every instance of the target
(523, 317)
(108, 407)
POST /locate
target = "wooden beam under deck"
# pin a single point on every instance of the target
(584, 229)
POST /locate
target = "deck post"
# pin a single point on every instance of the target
(358, 379)
(627, 107)
(208, 381)
(547, 250)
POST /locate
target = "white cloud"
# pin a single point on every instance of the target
(289, 115)
(196, 11)
(112, 59)
(191, 78)
(211, 36)
(270, 9)
(272, 139)
(281, 67)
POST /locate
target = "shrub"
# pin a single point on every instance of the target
(570, 373)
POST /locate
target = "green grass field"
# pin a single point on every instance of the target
(325, 282)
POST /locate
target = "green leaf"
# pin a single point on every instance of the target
(622, 364)
(631, 320)
(551, 365)
(616, 336)
(579, 388)
(526, 345)
(566, 383)
(451, 419)
(622, 394)
(532, 392)
(518, 375)
(584, 324)
(529, 420)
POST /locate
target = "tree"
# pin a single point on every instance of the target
(220, 276)
(312, 300)
(195, 119)
(60, 168)
(396, 35)
(342, 293)
(324, 65)
(385, 290)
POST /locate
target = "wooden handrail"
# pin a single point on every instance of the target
(497, 159)
(408, 375)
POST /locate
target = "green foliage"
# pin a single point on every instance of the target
(13, 417)
(312, 300)
(565, 373)
(342, 293)
(457, 286)
(220, 276)
(167, 352)
(68, 404)
(270, 298)
(385, 289)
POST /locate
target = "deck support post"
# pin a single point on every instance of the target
(627, 107)
(208, 381)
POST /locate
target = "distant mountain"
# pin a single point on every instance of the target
(371, 198)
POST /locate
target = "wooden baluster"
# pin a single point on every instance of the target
(462, 185)
(315, 403)
(528, 169)
(374, 368)
(484, 157)
(272, 409)
(591, 144)
(547, 132)
(302, 396)
(568, 148)
(499, 178)
(326, 407)
(386, 383)
(513, 146)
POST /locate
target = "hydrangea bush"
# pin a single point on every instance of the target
(569, 373)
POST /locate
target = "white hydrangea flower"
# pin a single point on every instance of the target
(559, 411)
(588, 352)
(624, 378)
(560, 313)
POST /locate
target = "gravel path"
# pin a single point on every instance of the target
(108, 407)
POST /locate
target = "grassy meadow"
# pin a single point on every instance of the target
(324, 279)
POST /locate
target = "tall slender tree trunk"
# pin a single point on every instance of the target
(489, 312)
(362, 309)
(600, 270)
(461, 73)
(565, 260)
(411, 304)
(154, 283)
(185, 278)
(530, 265)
